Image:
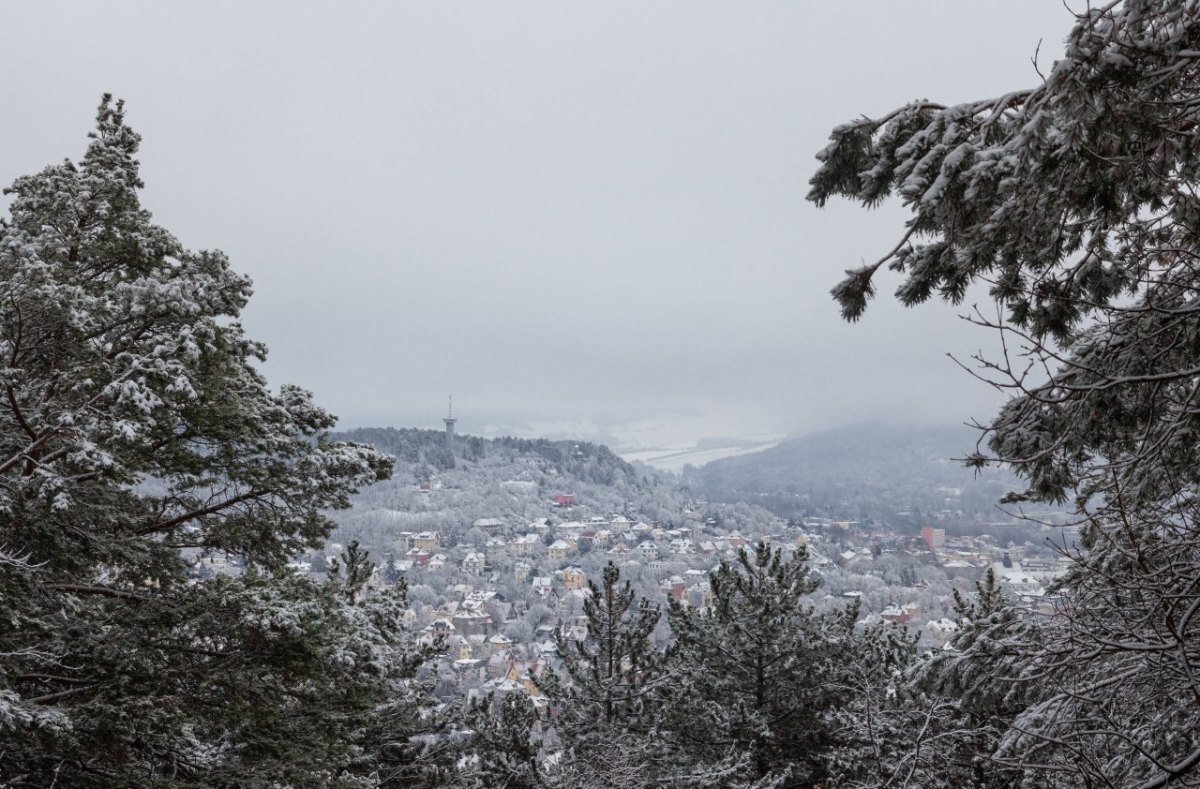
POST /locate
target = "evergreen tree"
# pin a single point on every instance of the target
(503, 750)
(135, 435)
(752, 674)
(873, 727)
(1075, 202)
(935, 720)
(351, 574)
(612, 671)
(605, 701)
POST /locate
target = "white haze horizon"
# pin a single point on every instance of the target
(583, 219)
(666, 443)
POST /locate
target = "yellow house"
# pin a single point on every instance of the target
(573, 578)
(427, 541)
(462, 649)
(527, 684)
(558, 550)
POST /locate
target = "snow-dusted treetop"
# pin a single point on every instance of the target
(1076, 202)
(124, 363)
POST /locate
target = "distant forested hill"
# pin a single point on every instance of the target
(900, 475)
(578, 459)
(511, 479)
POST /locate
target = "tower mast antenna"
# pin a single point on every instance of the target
(450, 420)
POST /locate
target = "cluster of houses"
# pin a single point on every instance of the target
(1024, 572)
(512, 586)
(510, 571)
(483, 659)
(619, 538)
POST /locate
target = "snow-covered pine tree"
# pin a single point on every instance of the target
(1075, 202)
(751, 676)
(502, 750)
(352, 572)
(605, 704)
(871, 727)
(935, 720)
(134, 427)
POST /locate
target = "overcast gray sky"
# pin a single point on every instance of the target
(566, 214)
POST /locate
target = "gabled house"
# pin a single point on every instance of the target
(489, 525)
(558, 550)
(473, 563)
(427, 541)
(524, 545)
(572, 578)
(472, 622)
(674, 587)
(499, 643)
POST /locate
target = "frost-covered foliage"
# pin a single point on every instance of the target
(752, 676)
(502, 750)
(1076, 202)
(936, 720)
(612, 672)
(134, 426)
(507, 747)
(604, 702)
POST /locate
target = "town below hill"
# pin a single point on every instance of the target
(497, 540)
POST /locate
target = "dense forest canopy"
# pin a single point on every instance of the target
(581, 459)
(902, 476)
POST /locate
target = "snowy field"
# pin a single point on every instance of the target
(675, 458)
(666, 442)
